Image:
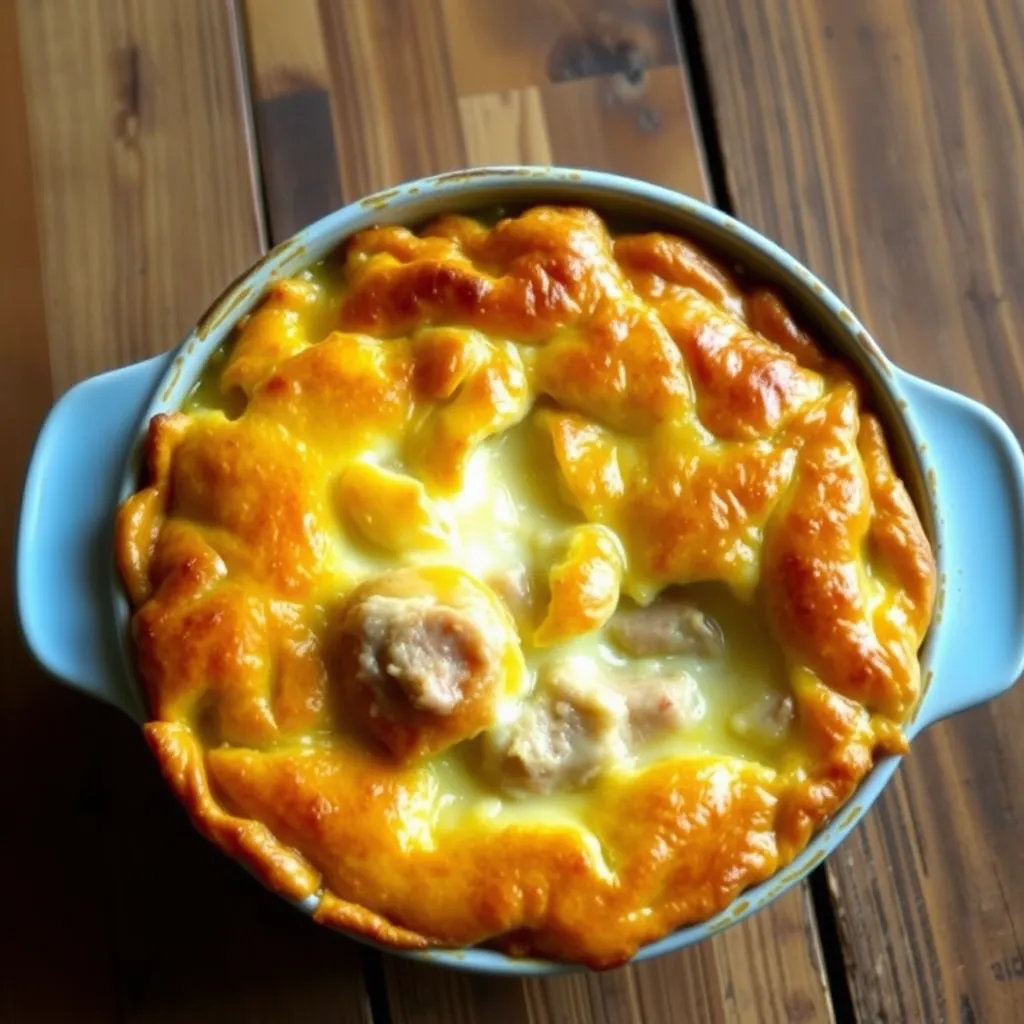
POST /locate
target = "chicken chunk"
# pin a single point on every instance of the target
(662, 702)
(518, 591)
(421, 658)
(669, 626)
(569, 732)
(766, 720)
(426, 650)
(583, 720)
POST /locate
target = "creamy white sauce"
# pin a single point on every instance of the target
(509, 515)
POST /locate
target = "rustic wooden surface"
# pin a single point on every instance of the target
(152, 148)
(915, 217)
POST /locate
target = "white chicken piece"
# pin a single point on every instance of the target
(422, 658)
(671, 625)
(421, 648)
(519, 593)
(585, 719)
(766, 720)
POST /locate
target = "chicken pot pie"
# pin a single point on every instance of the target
(515, 583)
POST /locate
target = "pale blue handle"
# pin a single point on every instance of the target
(979, 478)
(65, 535)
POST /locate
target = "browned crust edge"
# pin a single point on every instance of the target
(279, 867)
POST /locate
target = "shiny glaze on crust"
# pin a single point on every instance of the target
(696, 423)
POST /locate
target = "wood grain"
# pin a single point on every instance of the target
(500, 47)
(882, 141)
(607, 123)
(133, 116)
(395, 103)
(48, 916)
(419, 86)
(767, 971)
(382, 78)
(294, 117)
(639, 126)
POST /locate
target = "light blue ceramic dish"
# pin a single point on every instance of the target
(961, 462)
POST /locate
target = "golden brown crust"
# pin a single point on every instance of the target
(747, 387)
(301, 393)
(897, 538)
(814, 565)
(715, 532)
(181, 757)
(490, 397)
(584, 586)
(768, 317)
(140, 519)
(277, 330)
(695, 432)
(249, 485)
(685, 841)
(655, 261)
(524, 280)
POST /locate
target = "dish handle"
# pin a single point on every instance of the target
(64, 559)
(978, 652)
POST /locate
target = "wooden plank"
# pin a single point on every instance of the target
(766, 970)
(640, 127)
(294, 120)
(883, 141)
(396, 110)
(419, 86)
(147, 206)
(380, 76)
(500, 47)
(49, 916)
(146, 203)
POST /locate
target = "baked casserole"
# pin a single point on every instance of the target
(507, 581)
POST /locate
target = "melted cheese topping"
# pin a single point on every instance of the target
(522, 585)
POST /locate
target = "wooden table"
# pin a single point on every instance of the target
(151, 149)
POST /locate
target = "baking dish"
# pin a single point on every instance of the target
(962, 464)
